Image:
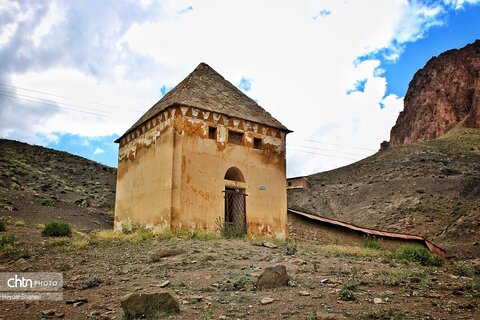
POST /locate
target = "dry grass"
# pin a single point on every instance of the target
(352, 251)
(39, 226)
(107, 236)
(59, 241)
(20, 223)
(81, 244)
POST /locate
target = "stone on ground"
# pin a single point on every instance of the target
(149, 305)
(273, 277)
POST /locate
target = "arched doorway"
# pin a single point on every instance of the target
(235, 203)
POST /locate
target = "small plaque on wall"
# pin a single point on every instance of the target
(262, 188)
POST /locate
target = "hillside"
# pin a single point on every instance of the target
(39, 184)
(430, 188)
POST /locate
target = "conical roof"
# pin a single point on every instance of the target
(206, 89)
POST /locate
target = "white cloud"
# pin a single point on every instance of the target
(301, 59)
(459, 4)
(98, 151)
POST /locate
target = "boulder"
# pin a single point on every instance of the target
(273, 277)
(149, 305)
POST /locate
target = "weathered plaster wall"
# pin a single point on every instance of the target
(171, 175)
(205, 161)
(144, 176)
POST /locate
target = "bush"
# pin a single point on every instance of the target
(7, 240)
(57, 229)
(231, 230)
(3, 224)
(418, 254)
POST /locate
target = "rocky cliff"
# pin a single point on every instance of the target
(443, 93)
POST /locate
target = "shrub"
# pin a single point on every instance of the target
(3, 224)
(57, 229)
(347, 295)
(349, 287)
(418, 254)
(231, 230)
(242, 281)
(7, 240)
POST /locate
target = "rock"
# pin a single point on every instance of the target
(76, 300)
(48, 313)
(324, 281)
(22, 265)
(138, 304)
(377, 300)
(269, 245)
(273, 277)
(164, 284)
(304, 293)
(165, 253)
(298, 262)
(445, 92)
(329, 316)
(267, 300)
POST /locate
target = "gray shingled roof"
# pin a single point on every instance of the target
(206, 89)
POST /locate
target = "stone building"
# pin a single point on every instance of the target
(204, 156)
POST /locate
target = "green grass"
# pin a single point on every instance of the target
(387, 314)
(371, 243)
(57, 229)
(3, 224)
(49, 202)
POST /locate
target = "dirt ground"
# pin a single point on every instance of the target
(213, 279)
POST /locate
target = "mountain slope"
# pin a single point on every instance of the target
(430, 188)
(39, 184)
(445, 92)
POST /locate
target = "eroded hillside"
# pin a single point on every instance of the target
(430, 188)
(39, 184)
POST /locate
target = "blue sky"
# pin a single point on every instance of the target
(75, 75)
(460, 28)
